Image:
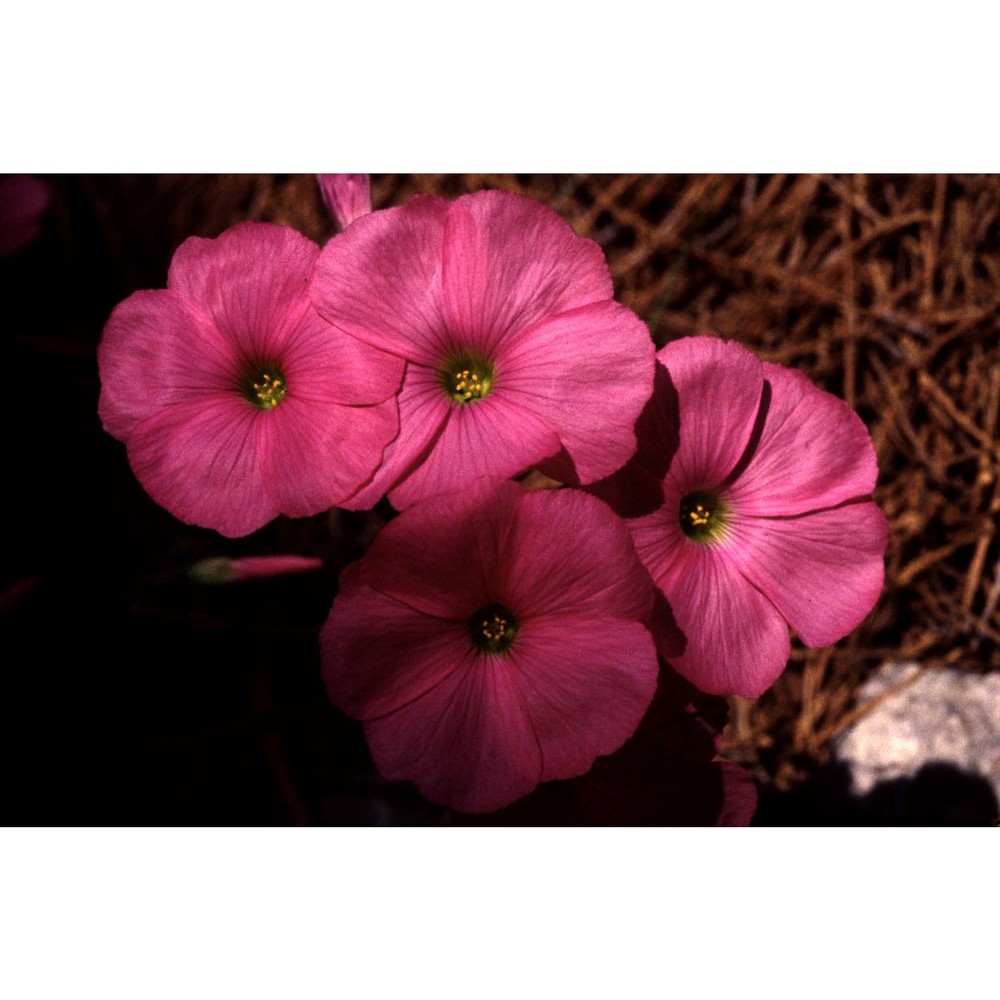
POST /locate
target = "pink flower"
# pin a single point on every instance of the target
(515, 350)
(236, 401)
(491, 640)
(749, 503)
(22, 200)
(347, 196)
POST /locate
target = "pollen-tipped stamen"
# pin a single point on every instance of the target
(467, 378)
(492, 629)
(265, 387)
(703, 516)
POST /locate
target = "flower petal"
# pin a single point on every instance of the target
(664, 775)
(253, 280)
(380, 280)
(315, 454)
(509, 261)
(199, 460)
(157, 350)
(823, 571)
(637, 488)
(737, 642)
(587, 683)
(320, 361)
(588, 373)
(380, 654)
(424, 412)
(347, 196)
(467, 743)
(814, 451)
(443, 556)
(718, 386)
(588, 567)
(495, 436)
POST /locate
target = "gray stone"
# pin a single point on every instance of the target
(943, 720)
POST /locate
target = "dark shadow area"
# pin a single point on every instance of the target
(938, 794)
(665, 775)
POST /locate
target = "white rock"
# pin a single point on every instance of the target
(942, 717)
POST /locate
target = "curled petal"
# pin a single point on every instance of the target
(718, 386)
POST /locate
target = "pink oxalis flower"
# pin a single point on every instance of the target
(749, 502)
(347, 196)
(235, 399)
(491, 640)
(515, 350)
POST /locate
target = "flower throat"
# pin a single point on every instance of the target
(265, 387)
(466, 378)
(492, 629)
(703, 516)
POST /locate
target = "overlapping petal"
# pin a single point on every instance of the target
(737, 641)
(551, 572)
(380, 280)
(814, 451)
(718, 387)
(583, 372)
(495, 436)
(445, 557)
(315, 453)
(325, 364)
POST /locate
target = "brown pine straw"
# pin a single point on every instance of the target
(885, 290)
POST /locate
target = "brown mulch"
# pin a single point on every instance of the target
(885, 290)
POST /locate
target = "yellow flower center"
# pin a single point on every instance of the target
(703, 516)
(466, 378)
(265, 387)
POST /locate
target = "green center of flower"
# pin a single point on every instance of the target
(703, 516)
(265, 387)
(467, 378)
(492, 629)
